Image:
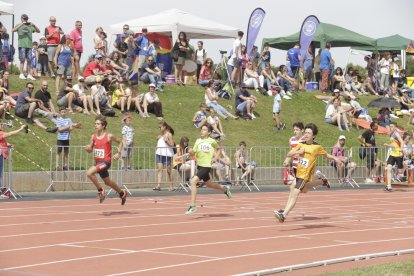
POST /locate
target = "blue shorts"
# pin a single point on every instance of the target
(242, 107)
(161, 159)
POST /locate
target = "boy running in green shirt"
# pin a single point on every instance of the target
(204, 150)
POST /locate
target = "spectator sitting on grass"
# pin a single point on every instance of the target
(99, 96)
(245, 102)
(82, 99)
(151, 73)
(211, 98)
(206, 72)
(47, 110)
(215, 123)
(26, 105)
(67, 96)
(335, 115)
(122, 98)
(152, 103)
(200, 117)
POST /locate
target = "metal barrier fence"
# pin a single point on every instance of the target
(6, 177)
(142, 168)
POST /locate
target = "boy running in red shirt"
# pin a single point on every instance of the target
(101, 144)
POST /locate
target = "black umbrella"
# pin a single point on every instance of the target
(384, 102)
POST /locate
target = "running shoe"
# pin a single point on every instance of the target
(227, 192)
(322, 177)
(376, 179)
(191, 210)
(279, 216)
(382, 180)
(101, 196)
(388, 189)
(123, 197)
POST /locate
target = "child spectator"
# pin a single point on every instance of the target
(43, 60)
(35, 58)
(264, 56)
(215, 123)
(277, 106)
(65, 125)
(128, 141)
(8, 52)
(200, 117)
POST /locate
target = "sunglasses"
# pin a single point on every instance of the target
(30, 88)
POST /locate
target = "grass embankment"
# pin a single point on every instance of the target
(403, 268)
(179, 106)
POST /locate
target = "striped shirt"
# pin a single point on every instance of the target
(293, 142)
(63, 122)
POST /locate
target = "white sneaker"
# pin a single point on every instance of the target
(30, 77)
(369, 181)
(394, 116)
(289, 93)
(22, 77)
(286, 97)
(252, 115)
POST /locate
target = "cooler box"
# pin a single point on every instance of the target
(312, 86)
(170, 79)
(410, 82)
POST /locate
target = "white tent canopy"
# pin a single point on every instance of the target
(6, 8)
(173, 21)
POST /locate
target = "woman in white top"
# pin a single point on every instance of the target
(251, 78)
(385, 65)
(83, 99)
(200, 55)
(211, 97)
(335, 115)
(164, 154)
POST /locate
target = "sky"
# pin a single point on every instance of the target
(371, 18)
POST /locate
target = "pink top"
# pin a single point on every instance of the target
(76, 35)
(4, 151)
(206, 73)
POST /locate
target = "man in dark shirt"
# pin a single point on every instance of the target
(245, 102)
(151, 73)
(47, 110)
(26, 105)
(369, 151)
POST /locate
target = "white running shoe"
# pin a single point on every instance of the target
(30, 77)
(252, 115)
(289, 93)
(286, 97)
(22, 77)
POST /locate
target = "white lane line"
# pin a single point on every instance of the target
(183, 264)
(256, 254)
(220, 231)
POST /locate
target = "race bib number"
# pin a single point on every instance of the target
(204, 147)
(303, 162)
(99, 153)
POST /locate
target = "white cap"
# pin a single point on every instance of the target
(336, 90)
(152, 85)
(342, 137)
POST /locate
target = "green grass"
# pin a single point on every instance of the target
(403, 268)
(179, 106)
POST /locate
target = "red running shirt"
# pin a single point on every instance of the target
(102, 148)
